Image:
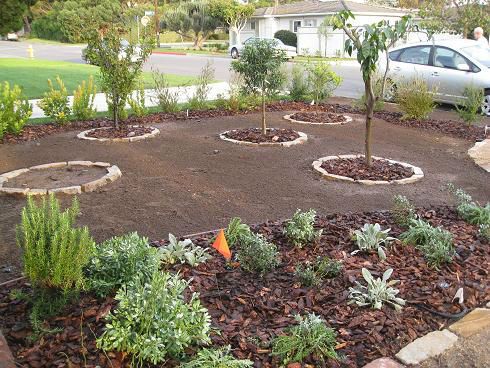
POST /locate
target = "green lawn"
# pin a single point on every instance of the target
(32, 75)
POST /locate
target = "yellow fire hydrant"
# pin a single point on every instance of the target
(30, 52)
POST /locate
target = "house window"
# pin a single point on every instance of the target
(252, 25)
(296, 25)
(310, 23)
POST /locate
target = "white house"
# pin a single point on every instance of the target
(305, 17)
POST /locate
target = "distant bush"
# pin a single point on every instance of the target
(322, 80)
(48, 27)
(415, 98)
(298, 88)
(55, 102)
(377, 89)
(15, 109)
(287, 37)
(167, 100)
(83, 100)
(199, 100)
(136, 101)
(469, 108)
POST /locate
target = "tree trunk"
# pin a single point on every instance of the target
(370, 101)
(264, 127)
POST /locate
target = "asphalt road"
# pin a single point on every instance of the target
(191, 65)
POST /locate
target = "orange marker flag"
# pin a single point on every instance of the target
(221, 245)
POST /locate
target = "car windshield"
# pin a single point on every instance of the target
(480, 53)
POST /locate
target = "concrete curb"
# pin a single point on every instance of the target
(317, 166)
(300, 140)
(348, 119)
(83, 135)
(113, 173)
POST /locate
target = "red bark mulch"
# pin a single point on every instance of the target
(254, 135)
(319, 117)
(124, 131)
(249, 310)
(357, 169)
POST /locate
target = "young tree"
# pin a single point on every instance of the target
(195, 17)
(233, 14)
(369, 42)
(260, 65)
(120, 66)
(11, 13)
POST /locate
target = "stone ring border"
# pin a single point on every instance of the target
(113, 173)
(84, 135)
(300, 140)
(348, 119)
(418, 174)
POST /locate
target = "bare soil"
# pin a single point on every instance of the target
(56, 177)
(187, 180)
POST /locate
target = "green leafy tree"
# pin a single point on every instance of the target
(260, 65)
(191, 17)
(233, 14)
(120, 67)
(11, 15)
(369, 42)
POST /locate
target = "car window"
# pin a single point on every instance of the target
(416, 55)
(447, 58)
(480, 53)
(394, 54)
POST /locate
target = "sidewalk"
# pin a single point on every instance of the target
(185, 93)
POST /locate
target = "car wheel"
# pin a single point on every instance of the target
(234, 53)
(486, 103)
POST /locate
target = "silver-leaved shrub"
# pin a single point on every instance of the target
(216, 358)
(371, 238)
(183, 251)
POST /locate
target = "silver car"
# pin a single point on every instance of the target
(236, 50)
(450, 66)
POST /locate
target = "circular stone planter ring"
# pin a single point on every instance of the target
(109, 173)
(300, 140)
(85, 135)
(417, 172)
(348, 119)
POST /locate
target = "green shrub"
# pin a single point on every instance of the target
(298, 88)
(55, 102)
(216, 358)
(469, 210)
(322, 80)
(377, 291)
(415, 98)
(137, 101)
(436, 244)
(183, 252)
(54, 252)
(236, 231)
(83, 100)
(167, 100)
(311, 337)
(403, 211)
(199, 99)
(484, 231)
(256, 254)
(372, 238)
(313, 274)
(287, 37)
(48, 27)
(300, 229)
(118, 260)
(469, 108)
(153, 321)
(14, 109)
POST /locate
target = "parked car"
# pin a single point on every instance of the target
(122, 54)
(12, 36)
(449, 65)
(237, 49)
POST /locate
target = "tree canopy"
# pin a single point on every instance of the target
(11, 15)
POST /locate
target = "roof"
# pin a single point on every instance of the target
(323, 7)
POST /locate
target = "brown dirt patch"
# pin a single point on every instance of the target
(124, 131)
(254, 135)
(319, 117)
(59, 177)
(357, 169)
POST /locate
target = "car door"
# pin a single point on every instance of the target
(411, 62)
(452, 72)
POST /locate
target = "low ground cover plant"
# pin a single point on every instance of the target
(310, 337)
(415, 98)
(257, 255)
(83, 100)
(118, 260)
(15, 109)
(153, 321)
(469, 108)
(377, 292)
(55, 102)
(371, 238)
(313, 274)
(300, 229)
(236, 231)
(183, 251)
(403, 211)
(216, 358)
(469, 210)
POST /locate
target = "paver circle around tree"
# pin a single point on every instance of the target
(143, 133)
(297, 137)
(72, 177)
(302, 118)
(416, 173)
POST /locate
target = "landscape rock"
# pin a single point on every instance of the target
(472, 323)
(383, 363)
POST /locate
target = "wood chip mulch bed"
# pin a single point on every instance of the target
(254, 135)
(357, 169)
(449, 127)
(324, 117)
(249, 310)
(124, 131)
